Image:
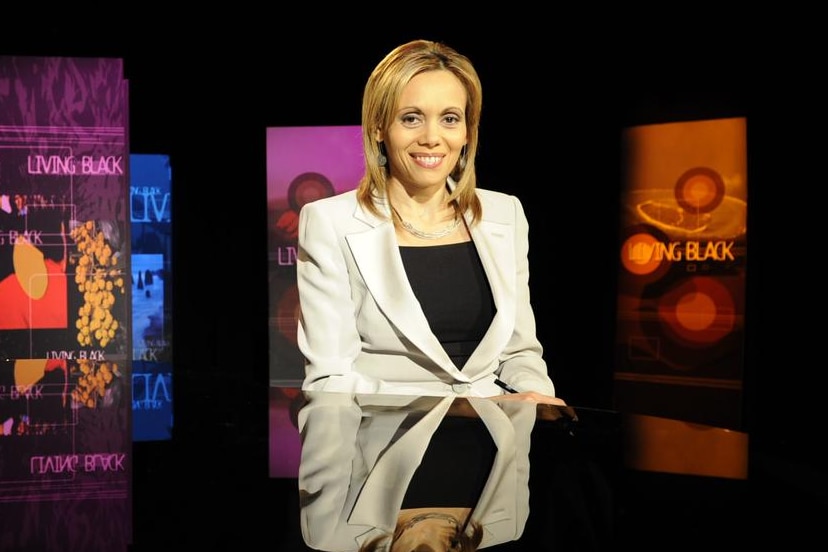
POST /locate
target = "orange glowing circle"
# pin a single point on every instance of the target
(700, 190)
(700, 311)
(696, 311)
(639, 254)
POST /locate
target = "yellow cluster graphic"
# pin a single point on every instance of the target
(98, 278)
(93, 381)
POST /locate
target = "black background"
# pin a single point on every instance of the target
(558, 89)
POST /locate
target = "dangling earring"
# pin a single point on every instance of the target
(382, 160)
(462, 161)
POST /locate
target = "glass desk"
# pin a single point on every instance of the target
(577, 476)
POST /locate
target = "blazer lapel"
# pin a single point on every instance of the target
(377, 254)
(378, 257)
(493, 241)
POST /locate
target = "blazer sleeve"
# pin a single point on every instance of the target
(522, 364)
(327, 334)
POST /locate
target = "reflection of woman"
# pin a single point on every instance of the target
(369, 464)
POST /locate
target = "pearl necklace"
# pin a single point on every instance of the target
(414, 231)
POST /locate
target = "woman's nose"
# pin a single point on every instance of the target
(431, 134)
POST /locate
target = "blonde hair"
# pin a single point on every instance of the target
(379, 103)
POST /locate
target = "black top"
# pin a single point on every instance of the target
(454, 293)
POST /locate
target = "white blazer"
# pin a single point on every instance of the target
(361, 328)
(358, 457)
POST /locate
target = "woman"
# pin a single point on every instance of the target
(417, 282)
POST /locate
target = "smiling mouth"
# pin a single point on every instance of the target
(428, 161)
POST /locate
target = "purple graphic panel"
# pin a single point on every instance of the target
(303, 164)
(65, 339)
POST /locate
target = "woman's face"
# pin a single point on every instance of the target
(428, 132)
